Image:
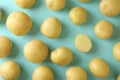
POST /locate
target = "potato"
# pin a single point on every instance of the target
(78, 15)
(19, 23)
(116, 51)
(5, 46)
(61, 56)
(0, 15)
(10, 70)
(83, 43)
(43, 73)
(118, 78)
(56, 4)
(36, 51)
(104, 29)
(25, 3)
(99, 68)
(76, 73)
(51, 27)
(84, 0)
(110, 7)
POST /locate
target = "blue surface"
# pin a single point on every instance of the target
(38, 13)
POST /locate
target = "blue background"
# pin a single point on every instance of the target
(38, 13)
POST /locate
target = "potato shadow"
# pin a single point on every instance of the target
(4, 17)
(36, 5)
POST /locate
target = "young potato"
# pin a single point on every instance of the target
(5, 46)
(0, 15)
(83, 43)
(110, 7)
(118, 78)
(51, 27)
(76, 73)
(10, 70)
(78, 15)
(84, 0)
(104, 29)
(43, 73)
(25, 3)
(36, 51)
(56, 4)
(61, 56)
(19, 23)
(99, 68)
(116, 51)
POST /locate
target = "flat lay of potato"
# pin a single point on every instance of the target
(76, 73)
(61, 56)
(10, 70)
(19, 23)
(43, 73)
(35, 51)
(5, 46)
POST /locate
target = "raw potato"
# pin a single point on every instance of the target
(104, 29)
(5, 46)
(116, 51)
(84, 0)
(99, 68)
(36, 51)
(19, 23)
(83, 43)
(61, 56)
(43, 73)
(78, 15)
(51, 27)
(10, 70)
(118, 78)
(76, 73)
(25, 3)
(0, 15)
(56, 4)
(110, 7)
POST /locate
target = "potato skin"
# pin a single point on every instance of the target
(99, 68)
(76, 73)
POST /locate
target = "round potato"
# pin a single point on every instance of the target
(0, 15)
(51, 27)
(116, 51)
(78, 15)
(110, 7)
(83, 43)
(76, 73)
(5, 46)
(104, 29)
(25, 3)
(56, 4)
(36, 51)
(10, 70)
(43, 73)
(61, 56)
(118, 78)
(19, 23)
(99, 68)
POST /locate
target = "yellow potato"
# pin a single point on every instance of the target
(36, 51)
(84, 0)
(61, 56)
(76, 73)
(104, 29)
(10, 70)
(116, 51)
(110, 7)
(56, 4)
(19, 23)
(5, 46)
(118, 78)
(43, 73)
(78, 15)
(51, 27)
(83, 43)
(0, 15)
(99, 68)
(25, 3)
